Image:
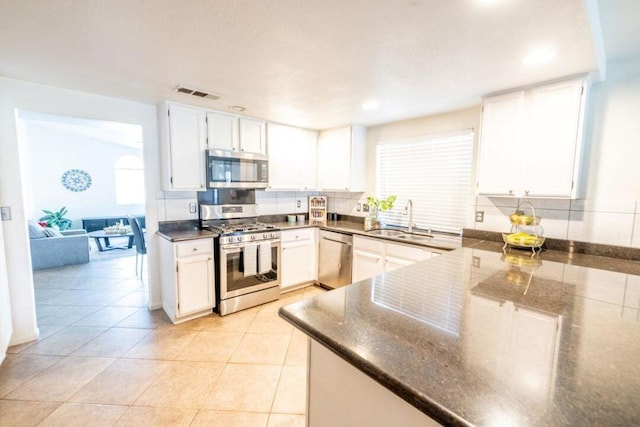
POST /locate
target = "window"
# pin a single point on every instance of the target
(129, 181)
(435, 173)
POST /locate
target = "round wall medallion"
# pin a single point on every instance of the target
(76, 180)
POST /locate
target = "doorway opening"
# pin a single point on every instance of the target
(83, 186)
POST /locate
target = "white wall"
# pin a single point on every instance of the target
(6, 324)
(18, 95)
(53, 151)
(609, 210)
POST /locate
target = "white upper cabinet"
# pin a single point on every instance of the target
(230, 132)
(183, 136)
(222, 131)
(530, 142)
(252, 135)
(341, 159)
(292, 157)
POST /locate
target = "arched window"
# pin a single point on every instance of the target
(129, 181)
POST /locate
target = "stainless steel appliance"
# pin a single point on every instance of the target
(334, 263)
(247, 256)
(230, 169)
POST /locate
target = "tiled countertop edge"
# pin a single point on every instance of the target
(571, 246)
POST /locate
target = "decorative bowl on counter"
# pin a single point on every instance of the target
(523, 240)
(524, 219)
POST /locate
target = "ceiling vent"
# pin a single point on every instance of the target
(197, 93)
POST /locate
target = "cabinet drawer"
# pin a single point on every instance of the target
(297, 234)
(414, 253)
(194, 247)
(368, 244)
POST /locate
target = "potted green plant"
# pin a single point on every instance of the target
(375, 207)
(57, 219)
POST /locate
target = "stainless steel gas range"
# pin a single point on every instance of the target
(247, 256)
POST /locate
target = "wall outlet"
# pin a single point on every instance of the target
(358, 207)
(5, 212)
(192, 208)
(365, 208)
(475, 261)
(479, 216)
(299, 203)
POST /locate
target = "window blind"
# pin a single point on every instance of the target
(435, 173)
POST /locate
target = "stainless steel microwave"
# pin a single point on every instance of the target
(229, 169)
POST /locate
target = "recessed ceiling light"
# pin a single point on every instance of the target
(539, 56)
(237, 108)
(370, 105)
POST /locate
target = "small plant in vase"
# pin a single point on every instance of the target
(57, 219)
(375, 207)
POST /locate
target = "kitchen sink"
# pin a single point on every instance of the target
(414, 237)
(386, 233)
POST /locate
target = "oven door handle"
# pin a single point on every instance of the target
(231, 250)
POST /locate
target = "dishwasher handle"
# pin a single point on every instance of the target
(337, 241)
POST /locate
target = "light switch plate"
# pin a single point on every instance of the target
(192, 208)
(299, 203)
(5, 212)
(358, 207)
(479, 216)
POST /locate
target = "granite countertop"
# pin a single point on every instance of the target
(440, 241)
(481, 337)
(186, 234)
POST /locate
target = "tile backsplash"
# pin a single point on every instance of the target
(613, 222)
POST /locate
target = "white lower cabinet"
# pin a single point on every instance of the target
(366, 264)
(375, 256)
(340, 395)
(299, 249)
(188, 288)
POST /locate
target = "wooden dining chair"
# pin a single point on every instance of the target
(138, 238)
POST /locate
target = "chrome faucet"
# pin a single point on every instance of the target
(409, 209)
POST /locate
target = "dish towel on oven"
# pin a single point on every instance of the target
(250, 259)
(264, 257)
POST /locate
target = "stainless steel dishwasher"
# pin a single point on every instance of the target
(334, 263)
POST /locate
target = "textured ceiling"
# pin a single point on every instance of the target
(302, 62)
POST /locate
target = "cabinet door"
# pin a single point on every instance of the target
(366, 265)
(284, 157)
(391, 263)
(308, 159)
(334, 158)
(500, 162)
(297, 263)
(186, 147)
(552, 139)
(195, 284)
(222, 131)
(252, 136)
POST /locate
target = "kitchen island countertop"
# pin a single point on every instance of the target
(481, 337)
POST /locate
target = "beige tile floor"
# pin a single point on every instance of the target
(103, 359)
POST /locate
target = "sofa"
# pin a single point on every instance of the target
(69, 249)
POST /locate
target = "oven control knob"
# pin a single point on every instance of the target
(265, 235)
(253, 237)
(273, 235)
(233, 239)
